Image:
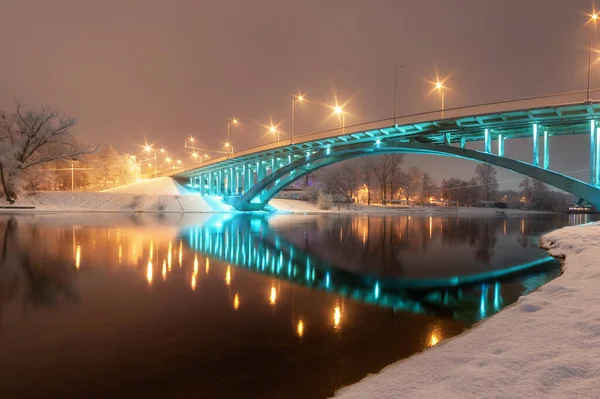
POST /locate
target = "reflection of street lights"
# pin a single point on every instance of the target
(592, 23)
(299, 98)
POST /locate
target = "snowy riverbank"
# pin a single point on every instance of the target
(545, 345)
(165, 195)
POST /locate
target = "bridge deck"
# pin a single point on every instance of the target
(560, 114)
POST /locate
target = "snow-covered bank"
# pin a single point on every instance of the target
(545, 345)
(119, 202)
(165, 195)
(162, 195)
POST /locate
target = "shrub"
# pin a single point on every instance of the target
(324, 201)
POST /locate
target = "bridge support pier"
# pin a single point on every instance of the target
(248, 181)
(536, 146)
(500, 145)
(546, 151)
(221, 183)
(597, 158)
(487, 142)
(592, 152)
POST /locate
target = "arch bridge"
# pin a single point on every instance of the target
(248, 179)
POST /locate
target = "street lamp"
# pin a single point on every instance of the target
(169, 160)
(340, 112)
(148, 149)
(299, 98)
(440, 87)
(185, 148)
(273, 130)
(230, 122)
(592, 23)
(230, 147)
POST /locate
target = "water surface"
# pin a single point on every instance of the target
(243, 306)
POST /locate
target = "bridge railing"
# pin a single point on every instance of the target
(576, 97)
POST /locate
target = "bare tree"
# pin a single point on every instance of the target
(30, 138)
(384, 168)
(414, 186)
(37, 177)
(366, 167)
(342, 178)
(527, 189)
(486, 176)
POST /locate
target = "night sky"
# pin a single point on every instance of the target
(162, 70)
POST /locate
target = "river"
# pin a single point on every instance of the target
(271, 306)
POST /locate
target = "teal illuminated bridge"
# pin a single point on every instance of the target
(248, 179)
(247, 241)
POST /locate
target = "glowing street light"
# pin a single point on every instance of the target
(273, 130)
(592, 22)
(339, 110)
(172, 162)
(149, 149)
(191, 140)
(439, 86)
(230, 122)
(299, 98)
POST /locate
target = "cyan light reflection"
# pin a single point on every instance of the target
(264, 251)
(483, 301)
(497, 297)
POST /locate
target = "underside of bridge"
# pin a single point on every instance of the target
(265, 189)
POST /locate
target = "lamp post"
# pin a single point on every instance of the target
(185, 149)
(299, 98)
(440, 87)
(340, 111)
(592, 23)
(148, 149)
(230, 122)
(274, 130)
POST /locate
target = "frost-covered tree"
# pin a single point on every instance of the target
(342, 178)
(33, 137)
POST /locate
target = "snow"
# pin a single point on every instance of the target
(158, 186)
(163, 195)
(545, 345)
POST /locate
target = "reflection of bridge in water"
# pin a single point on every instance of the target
(248, 242)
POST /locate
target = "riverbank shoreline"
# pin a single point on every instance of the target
(119, 202)
(544, 345)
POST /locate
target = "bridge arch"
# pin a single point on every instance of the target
(264, 190)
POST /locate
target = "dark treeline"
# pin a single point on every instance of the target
(383, 179)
